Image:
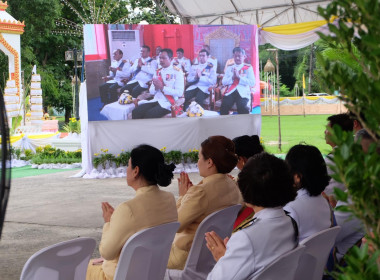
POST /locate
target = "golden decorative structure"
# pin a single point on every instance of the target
(17, 61)
(10, 26)
(3, 5)
(269, 67)
(222, 33)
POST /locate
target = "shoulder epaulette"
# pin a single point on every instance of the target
(246, 224)
(230, 64)
(176, 68)
(213, 57)
(247, 64)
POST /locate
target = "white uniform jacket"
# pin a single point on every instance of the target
(247, 80)
(251, 249)
(182, 63)
(329, 190)
(123, 71)
(207, 79)
(211, 59)
(174, 85)
(312, 213)
(146, 72)
(352, 230)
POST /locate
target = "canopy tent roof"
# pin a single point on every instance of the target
(286, 24)
(262, 13)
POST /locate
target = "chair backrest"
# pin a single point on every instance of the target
(65, 260)
(146, 253)
(314, 258)
(200, 260)
(283, 268)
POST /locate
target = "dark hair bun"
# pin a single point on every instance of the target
(165, 174)
(152, 165)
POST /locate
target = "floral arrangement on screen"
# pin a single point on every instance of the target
(194, 110)
(125, 98)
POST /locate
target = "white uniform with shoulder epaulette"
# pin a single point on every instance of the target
(173, 80)
(270, 235)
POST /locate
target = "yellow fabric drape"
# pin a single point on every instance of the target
(307, 97)
(14, 139)
(295, 28)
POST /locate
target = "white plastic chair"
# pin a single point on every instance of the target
(146, 253)
(200, 260)
(62, 261)
(283, 268)
(314, 258)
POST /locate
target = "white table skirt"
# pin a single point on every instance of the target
(117, 112)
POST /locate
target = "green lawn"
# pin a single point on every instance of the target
(27, 171)
(294, 130)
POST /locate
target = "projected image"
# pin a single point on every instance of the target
(171, 71)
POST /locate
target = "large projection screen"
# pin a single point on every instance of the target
(137, 93)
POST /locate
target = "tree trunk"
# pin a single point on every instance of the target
(45, 60)
(67, 114)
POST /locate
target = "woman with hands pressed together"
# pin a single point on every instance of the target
(150, 207)
(216, 191)
(266, 185)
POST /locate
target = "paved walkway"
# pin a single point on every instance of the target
(47, 209)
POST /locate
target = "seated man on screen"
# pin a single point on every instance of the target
(167, 87)
(119, 70)
(201, 77)
(210, 58)
(157, 56)
(181, 61)
(142, 72)
(239, 78)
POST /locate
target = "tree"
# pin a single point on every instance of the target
(357, 37)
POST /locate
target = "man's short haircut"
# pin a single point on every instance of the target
(146, 47)
(265, 181)
(204, 50)
(355, 118)
(180, 50)
(238, 49)
(169, 52)
(343, 120)
(119, 51)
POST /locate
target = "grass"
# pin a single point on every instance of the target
(294, 130)
(27, 171)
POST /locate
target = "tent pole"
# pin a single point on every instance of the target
(278, 101)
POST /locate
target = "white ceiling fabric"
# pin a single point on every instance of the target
(264, 13)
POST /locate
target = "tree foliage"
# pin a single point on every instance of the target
(42, 46)
(357, 36)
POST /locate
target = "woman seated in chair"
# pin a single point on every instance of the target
(310, 209)
(216, 191)
(266, 185)
(150, 207)
(245, 147)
